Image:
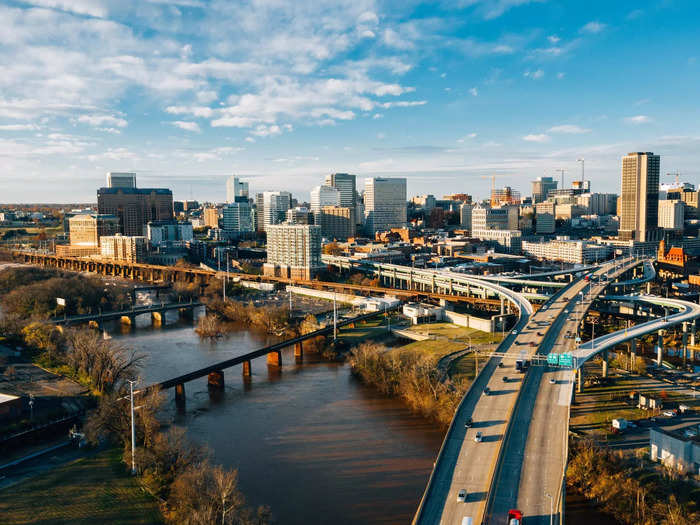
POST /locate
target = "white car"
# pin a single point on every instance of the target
(462, 496)
(515, 332)
(478, 437)
(669, 413)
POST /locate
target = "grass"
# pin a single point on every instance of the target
(370, 329)
(92, 490)
(457, 333)
(431, 347)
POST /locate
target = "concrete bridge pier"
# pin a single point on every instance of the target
(128, 320)
(215, 381)
(692, 334)
(298, 350)
(502, 305)
(246, 370)
(684, 344)
(605, 363)
(579, 380)
(274, 359)
(660, 348)
(633, 352)
(157, 318)
(180, 395)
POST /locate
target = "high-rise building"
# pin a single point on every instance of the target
(427, 202)
(211, 217)
(300, 216)
(545, 213)
(163, 232)
(260, 212)
(346, 185)
(465, 215)
(121, 180)
(504, 196)
(275, 206)
(541, 186)
(502, 218)
(236, 217)
(135, 207)
(235, 188)
(385, 203)
(324, 196)
(87, 229)
(337, 222)
(124, 248)
(671, 215)
(639, 201)
(293, 250)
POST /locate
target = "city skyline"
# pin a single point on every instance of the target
(438, 94)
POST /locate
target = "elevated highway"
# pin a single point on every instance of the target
(464, 463)
(534, 455)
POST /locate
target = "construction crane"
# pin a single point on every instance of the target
(562, 171)
(677, 174)
(493, 180)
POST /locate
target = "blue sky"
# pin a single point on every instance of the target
(188, 92)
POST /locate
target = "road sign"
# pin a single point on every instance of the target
(566, 360)
(553, 359)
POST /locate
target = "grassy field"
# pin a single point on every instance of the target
(91, 490)
(456, 333)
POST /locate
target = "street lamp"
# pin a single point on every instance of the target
(133, 430)
(551, 508)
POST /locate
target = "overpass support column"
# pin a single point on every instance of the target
(215, 380)
(605, 363)
(298, 350)
(274, 358)
(660, 348)
(180, 395)
(502, 305)
(579, 380)
(246, 369)
(633, 353)
(692, 334)
(684, 344)
(649, 288)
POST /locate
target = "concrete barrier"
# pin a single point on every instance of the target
(321, 294)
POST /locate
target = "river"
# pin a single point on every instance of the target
(310, 441)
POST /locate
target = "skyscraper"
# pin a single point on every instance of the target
(275, 206)
(293, 250)
(121, 180)
(639, 202)
(541, 187)
(135, 207)
(237, 217)
(324, 196)
(345, 184)
(385, 203)
(235, 188)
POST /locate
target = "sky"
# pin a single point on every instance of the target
(448, 93)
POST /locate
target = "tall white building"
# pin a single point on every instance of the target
(671, 215)
(567, 250)
(465, 216)
(322, 196)
(385, 203)
(293, 250)
(501, 218)
(235, 188)
(345, 184)
(121, 180)
(275, 206)
(123, 247)
(639, 199)
(237, 217)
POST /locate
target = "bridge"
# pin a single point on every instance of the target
(466, 464)
(215, 372)
(157, 312)
(534, 454)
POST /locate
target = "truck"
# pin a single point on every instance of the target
(521, 365)
(620, 425)
(515, 517)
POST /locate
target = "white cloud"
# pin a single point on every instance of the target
(474, 92)
(538, 137)
(553, 39)
(18, 127)
(187, 126)
(638, 119)
(534, 74)
(404, 104)
(377, 116)
(469, 136)
(95, 8)
(102, 120)
(593, 27)
(569, 129)
(249, 139)
(561, 75)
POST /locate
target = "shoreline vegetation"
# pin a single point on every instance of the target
(175, 472)
(408, 375)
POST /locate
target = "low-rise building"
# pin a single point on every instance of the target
(420, 313)
(509, 241)
(567, 250)
(678, 450)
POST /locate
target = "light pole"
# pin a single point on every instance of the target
(551, 508)
(133, 429)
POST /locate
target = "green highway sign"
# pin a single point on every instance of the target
(553, 359)
(566, 360)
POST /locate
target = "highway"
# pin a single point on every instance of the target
(534, 458)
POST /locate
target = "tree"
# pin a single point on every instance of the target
(45, 338)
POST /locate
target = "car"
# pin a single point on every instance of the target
(505, 379)
(532, 344)
(478, 437)
(552, 381)
(540, 334)
(515, 332)
(468, 423)
(487, 391)
(462, 496)
(669, 413)
(501, 365)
